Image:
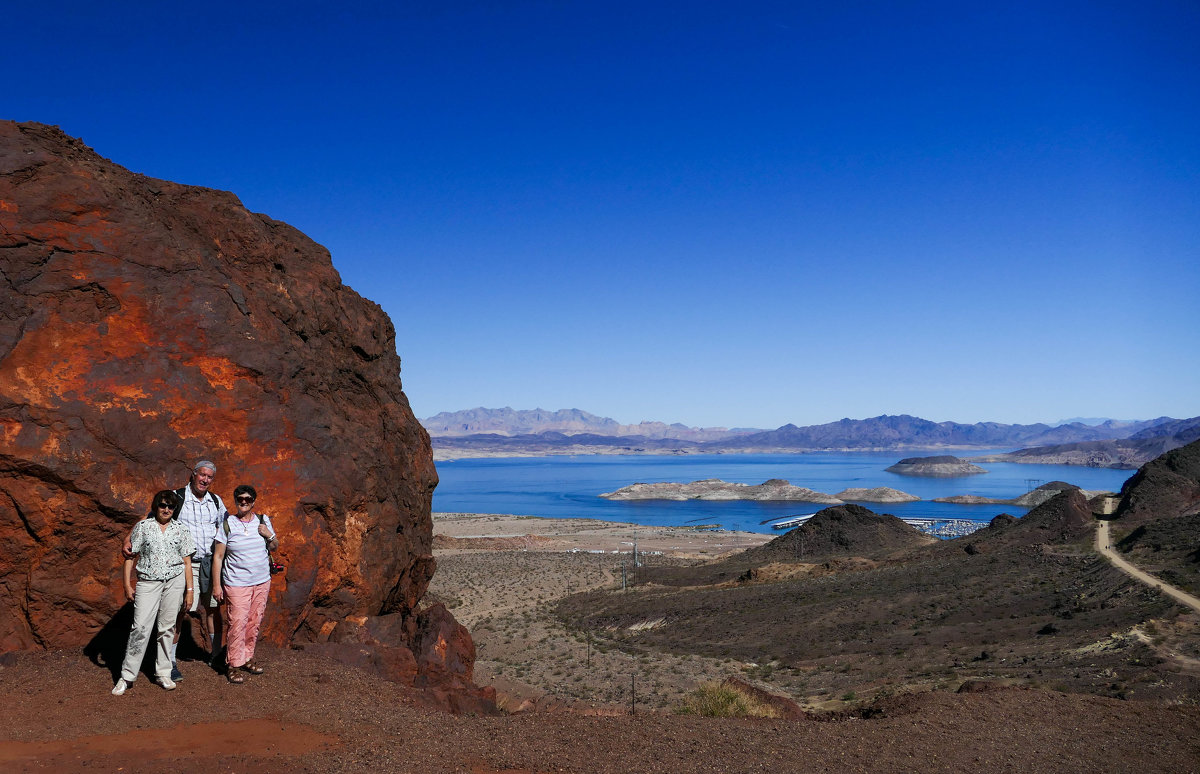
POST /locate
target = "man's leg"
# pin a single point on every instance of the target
(218, 629)
(175, 673)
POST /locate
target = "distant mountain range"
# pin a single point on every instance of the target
(510, 422)
(505, 432)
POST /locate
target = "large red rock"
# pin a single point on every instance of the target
(145, 325)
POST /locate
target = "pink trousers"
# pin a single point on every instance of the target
(245, 606)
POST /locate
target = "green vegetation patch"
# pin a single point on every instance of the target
(716, 700)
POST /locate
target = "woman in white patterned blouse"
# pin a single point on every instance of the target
(163, 548)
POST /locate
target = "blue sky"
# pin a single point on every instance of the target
(739, 214)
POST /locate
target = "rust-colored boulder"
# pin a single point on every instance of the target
(145, 325)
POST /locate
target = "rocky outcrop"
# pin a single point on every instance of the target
(944, 466)
(1030, 499)
(843, 530)
(1064, 518)
(1036, 497)
(879, 494)
(145, 325)
(1166, 487)
(776, 489)
(971, 500)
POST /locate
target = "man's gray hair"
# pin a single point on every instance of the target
(205, 464)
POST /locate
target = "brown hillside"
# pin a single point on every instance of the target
(842, 530)
(1064, 518)
(1165, 487)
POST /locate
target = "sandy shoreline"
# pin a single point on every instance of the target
(590, 535)
(502, 576)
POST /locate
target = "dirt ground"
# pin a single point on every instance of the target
(309, 714)
(501, 576)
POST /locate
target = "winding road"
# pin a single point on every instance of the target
(1104, 546)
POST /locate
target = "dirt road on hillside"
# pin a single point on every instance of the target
(1103, 545)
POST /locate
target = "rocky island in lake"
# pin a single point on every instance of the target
(716, 489)
(944, 466)
(879, 494)
(1032, 498)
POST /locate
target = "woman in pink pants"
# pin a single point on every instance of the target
(241, 578)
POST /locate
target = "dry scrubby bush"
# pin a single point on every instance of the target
(715, 700)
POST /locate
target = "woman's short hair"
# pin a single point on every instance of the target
(165, 497)
(244, 489)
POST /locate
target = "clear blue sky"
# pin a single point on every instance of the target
(739, 214)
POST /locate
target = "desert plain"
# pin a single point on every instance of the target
(599, 699)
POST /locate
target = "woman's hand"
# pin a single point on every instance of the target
(129, 590)
(265, 531)
(217, 593)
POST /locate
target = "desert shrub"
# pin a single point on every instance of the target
(715, 700)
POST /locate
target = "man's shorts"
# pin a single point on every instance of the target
(202, 583)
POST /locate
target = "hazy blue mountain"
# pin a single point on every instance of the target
(887, 432)
(509, 422)
(500, 431)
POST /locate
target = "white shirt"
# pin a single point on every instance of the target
(247, 562)
(202, 518)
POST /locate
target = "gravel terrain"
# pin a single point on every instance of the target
(310, 714)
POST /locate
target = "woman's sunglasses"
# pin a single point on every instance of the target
(244, 500)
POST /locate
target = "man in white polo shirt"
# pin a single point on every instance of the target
(201, 512)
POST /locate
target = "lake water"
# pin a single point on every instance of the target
(568, 487)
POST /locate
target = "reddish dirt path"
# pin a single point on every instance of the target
(308, 714)
(253, 738)
(1104, 546)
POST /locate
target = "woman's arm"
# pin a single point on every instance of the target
(218, 555)
(267, 530)
(188, 592)
(127, 574)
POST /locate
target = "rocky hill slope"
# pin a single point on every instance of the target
(842, 530)
(145, 325)
(1166, 487)
(1122, 454)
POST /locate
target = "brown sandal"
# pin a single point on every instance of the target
(234, 677)
(252, 668)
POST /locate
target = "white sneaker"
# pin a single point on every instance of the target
(167, 683)
(120, 687)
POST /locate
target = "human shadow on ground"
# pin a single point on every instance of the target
(107, 647)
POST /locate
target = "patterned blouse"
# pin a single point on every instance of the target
(160, 554)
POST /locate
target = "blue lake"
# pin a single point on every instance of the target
(568, 487)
